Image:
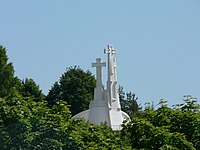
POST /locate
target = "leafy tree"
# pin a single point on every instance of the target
(7, 79)
(26, 124)
(54, 94)
(190, 104)
(183, 119)
(97, 137)
(76, 87)
(129, 102)
(27, 121)
(142, 134)
(14, 124)
(186, 120)
(31, 89)
(49, 126)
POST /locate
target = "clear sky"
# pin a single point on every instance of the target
(158, 42)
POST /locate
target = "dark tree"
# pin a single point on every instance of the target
(76, 87)
(7, 79)
(128, 102)
(29, 88)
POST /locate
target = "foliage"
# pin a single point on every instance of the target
(14, 125)
(30, 89)
(76, 87)
(27, 122)
(166, 127)
(7, 79)
(142, 134)
(129, 103)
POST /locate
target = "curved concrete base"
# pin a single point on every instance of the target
(83, 114)
(113, 119)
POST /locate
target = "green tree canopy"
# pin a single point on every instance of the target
(129, 102)
(7, 79)
(26, 124)
(29, 88)
(76, 87)
(165, 127)
(27, 121)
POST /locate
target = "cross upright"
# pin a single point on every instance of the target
(110, 50)
(99, 64)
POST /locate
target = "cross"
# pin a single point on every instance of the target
(110, 50)
(99, 66)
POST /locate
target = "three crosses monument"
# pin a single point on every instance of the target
(105, 108)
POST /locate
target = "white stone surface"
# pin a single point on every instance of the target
(106, 108)
(98, 93)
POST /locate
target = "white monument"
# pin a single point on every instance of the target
(105, 108)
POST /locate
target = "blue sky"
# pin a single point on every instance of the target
(158, 42)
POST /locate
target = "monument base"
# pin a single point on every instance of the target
(103, 115)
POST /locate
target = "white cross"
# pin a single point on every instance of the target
(99, 66)
(110, 50)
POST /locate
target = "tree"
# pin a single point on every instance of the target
(76, 87)
(181, 121)
(14, 124)
(31, 89)
(26, 124)
(142, 134)
(7, 79)
(129, 102)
